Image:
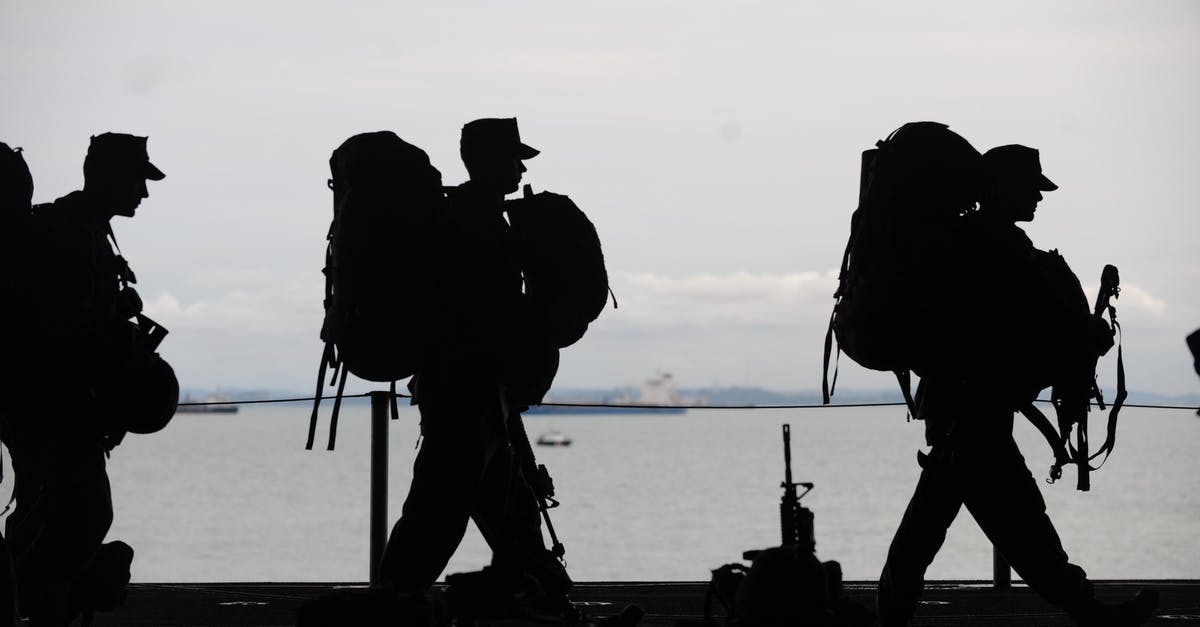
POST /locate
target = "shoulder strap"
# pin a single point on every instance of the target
(1056, 442)
(828, 387)
(124, 272)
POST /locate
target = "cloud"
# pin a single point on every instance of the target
(1138, 301)
(737, 300)
(261, 330)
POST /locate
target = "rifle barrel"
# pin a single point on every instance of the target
(787, 455)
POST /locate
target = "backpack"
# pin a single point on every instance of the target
(888, 313)
(562, 263)
(386, 196)
(16, 185)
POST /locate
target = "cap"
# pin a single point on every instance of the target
(1018, 160)
(120, 150)
(496, 136)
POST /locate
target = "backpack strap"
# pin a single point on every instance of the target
(904, 378)
(1118, 400)
(827, 387)
(327, 358)
(395, 404)
(1043, 425)
(337, 405)
(1110, 288)
(124, 272)
(329, 355)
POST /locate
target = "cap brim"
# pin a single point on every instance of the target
(1044, 184)
(527, 152)
(153, 173)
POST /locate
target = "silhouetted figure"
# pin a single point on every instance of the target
(1193, 342)
(466, 468)
(62, 426)
(968, 397)
(16, 195)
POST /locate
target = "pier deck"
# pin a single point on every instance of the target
(945, 603)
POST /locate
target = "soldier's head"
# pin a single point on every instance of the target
(491, 149)
(16, 184)
(1013, 182)
(116, 170)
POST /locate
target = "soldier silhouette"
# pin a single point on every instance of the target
(59, 432)
(1193, 342)
(968, 405)
(466, 468)
(16, 195)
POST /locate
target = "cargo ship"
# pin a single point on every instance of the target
(658, 395)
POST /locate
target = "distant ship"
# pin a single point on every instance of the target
(205, 408)
(658, 396)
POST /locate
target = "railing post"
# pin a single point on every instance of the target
(380, 402)
(1001, 573)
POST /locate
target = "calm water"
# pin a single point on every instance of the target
(644, 497)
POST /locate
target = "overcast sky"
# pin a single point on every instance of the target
(714, 144)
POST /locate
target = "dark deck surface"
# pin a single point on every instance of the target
(945, 603)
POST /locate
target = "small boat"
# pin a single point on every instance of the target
(554, 438)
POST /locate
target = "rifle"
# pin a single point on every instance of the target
(536, 474)
(795, 521)
(1075, 414)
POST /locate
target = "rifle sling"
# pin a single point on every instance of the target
(1043, 425)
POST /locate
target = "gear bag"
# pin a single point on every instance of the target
(889, 314)
(138, 392)
(386, 196)
(562, 262)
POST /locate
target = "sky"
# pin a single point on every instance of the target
(715, 145)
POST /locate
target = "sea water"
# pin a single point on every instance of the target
(235, 497)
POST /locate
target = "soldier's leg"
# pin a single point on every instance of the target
(1006, 501)
(71, 516)
(28, 477)
(8, 587)
(509, 519)
(934, 504)
(445, 483)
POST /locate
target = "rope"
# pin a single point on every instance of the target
(645, 406)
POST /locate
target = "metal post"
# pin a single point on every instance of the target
(380, 402)
(1001, 573)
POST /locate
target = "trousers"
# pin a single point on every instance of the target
(466, 470)
(982, 469)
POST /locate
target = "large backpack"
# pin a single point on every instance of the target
(889, 313)
(386, 196)
(565, 280)
(562, 263)
(16, 184)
